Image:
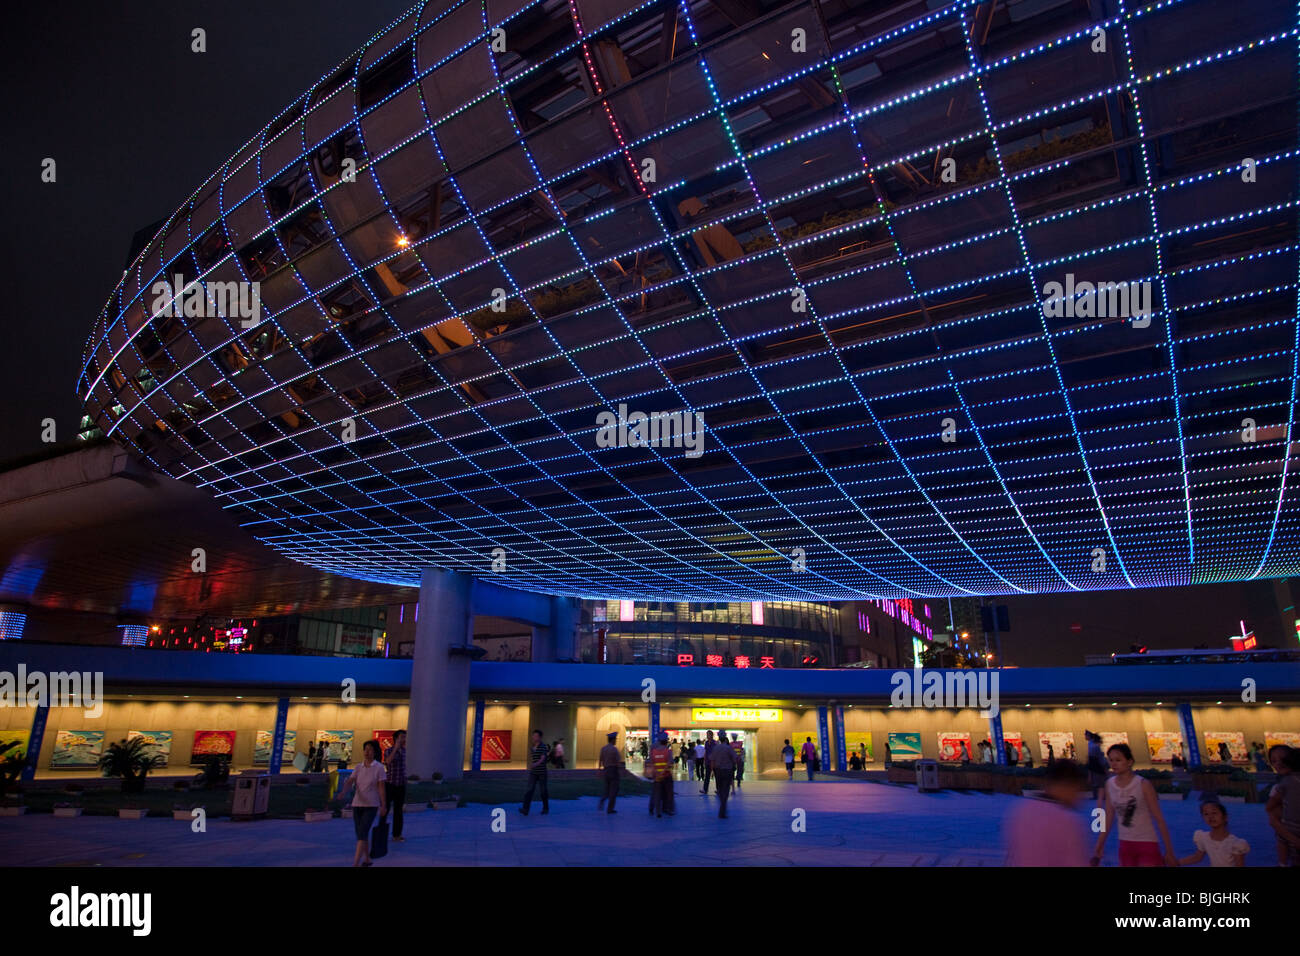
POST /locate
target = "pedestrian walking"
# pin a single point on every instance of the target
(688, 759)
(723, 761)
(395, 781)
(699, 759)
(1217, 843)
(1283, 806)
(787, 756)
(809, 756)
(311, 758)
(709, 746)
(660, 772)
(610, 766)
(537, 774)
(370, 801)
(1132, 801)
(738, 748)
(1049, 832)
(1098, 766)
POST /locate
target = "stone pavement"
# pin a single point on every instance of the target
(849, 823)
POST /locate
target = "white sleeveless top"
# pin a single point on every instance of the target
(1131, 813)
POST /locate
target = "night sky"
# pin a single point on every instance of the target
(136, 121)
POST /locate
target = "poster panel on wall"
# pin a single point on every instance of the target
(496, 745)
(1061, 744)
(905, 745)
(954, 747)
(385, 738)
(339, 743)
(13, 744)
(77, 748)
(859, 742)
(157, 744)
(266, 739)
(1283, 738)
(212, 743)
(1225, 746)
(1162, 745)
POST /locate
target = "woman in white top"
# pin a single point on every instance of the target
(370, 802)
(1131, 801)
(1217, 843)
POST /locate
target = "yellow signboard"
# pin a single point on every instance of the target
(739, 715)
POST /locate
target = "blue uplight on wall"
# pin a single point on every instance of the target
(827, 232)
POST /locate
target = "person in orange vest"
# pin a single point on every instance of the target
(660, 767)
(738, 747)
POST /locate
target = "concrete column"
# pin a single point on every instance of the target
(476, 746)
(841, 747)
(440, 676)
(564, 628)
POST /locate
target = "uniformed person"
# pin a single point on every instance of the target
(661, 773)
(738, 748)
(610, 765)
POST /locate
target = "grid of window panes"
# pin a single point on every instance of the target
(841, 234)
(719, 634)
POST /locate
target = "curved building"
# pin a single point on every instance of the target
(736, 300)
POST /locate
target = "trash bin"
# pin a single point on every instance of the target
(252, 795)
(927, 775)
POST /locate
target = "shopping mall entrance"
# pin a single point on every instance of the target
(636, 737)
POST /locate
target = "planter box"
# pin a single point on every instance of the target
(67, 811)
(1172, 796)
(444, 804)
(183, 815)
(414, 807)
(132, 814)
(347, 813)
(318, 816)
(12, 811)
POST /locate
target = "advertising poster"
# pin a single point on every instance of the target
(1163, 745)
(1273, 738)
(262, 748)
(18, 739)
(1234, 741)
(954, 747)
(1107, 740)
(1015, 744)
(77, 748)
(157, 744)
(860, 742)
(212, 743)
(339, 743)
(385, 738)
(496, 745)
(1062, 745)
(905, 745)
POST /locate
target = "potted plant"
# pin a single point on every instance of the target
(66, 810)
(130, 760)
(441, 799)
(132, 813)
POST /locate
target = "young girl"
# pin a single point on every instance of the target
(1132, 801)
(1217, 843)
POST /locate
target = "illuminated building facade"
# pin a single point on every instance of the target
(972, 299)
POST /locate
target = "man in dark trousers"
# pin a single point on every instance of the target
(610, 766)
(723, 761)
(660, 770)
(537, 758)
(709, 744)
(395, 786)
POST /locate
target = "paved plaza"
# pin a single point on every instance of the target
(849, 823)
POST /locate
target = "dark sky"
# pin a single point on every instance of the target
(135, 122)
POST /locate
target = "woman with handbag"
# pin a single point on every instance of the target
(370, 800)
